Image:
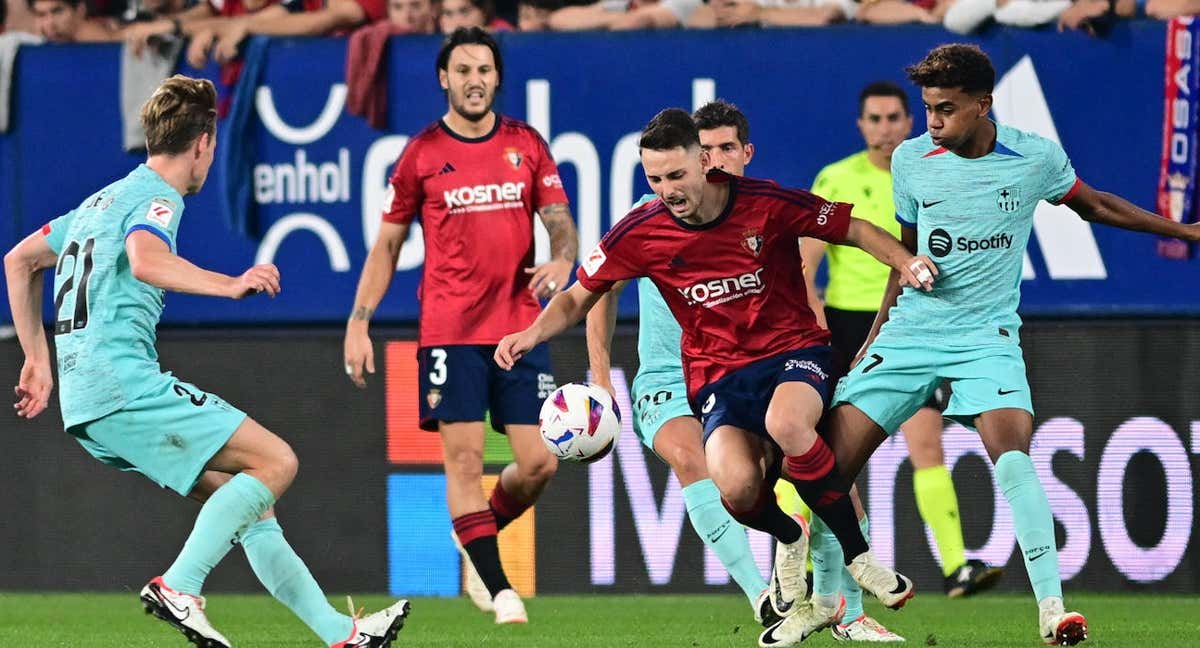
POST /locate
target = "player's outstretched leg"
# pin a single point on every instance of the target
(735, 458)
(933, 489)
(263, 467)
(474, 522)
(677, 441)
(1006, 433)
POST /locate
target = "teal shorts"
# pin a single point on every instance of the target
(658, 398)
(169, 434)
(897, 376)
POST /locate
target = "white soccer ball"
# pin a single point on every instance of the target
(580, 422)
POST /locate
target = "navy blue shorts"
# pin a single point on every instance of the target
(741, 398)
(462, 383)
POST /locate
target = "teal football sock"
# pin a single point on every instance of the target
(287, 578)
(237, 504)
(1032, 520)
(725, 535)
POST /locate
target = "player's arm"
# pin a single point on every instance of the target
(891, 292)
(601, 321)
(563, 312)
(24, 268)
(812, 251)
(1110, 209)
(553, 276)
(915, 270)
(152, 261)
(372, 286)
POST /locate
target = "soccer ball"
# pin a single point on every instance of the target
(580, 422)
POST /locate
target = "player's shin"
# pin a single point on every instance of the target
(288, 579)
(724, 535)
(1032, 520)
(231, 508)
(816, 478)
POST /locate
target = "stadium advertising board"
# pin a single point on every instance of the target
(316, 176)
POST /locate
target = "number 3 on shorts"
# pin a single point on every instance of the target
(438, 375)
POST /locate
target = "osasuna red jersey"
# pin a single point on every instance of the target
(735, 285)
(476, 199)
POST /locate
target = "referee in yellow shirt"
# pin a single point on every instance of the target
(852, 299)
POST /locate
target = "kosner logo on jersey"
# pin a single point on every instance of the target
(724, 290)
(485, 197)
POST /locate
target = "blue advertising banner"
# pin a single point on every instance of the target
(319, 174)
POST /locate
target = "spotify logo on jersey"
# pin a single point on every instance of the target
(939, 242)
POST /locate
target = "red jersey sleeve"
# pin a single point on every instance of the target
(808, 214)
(547, 185)
(406, 192)
(609, 263)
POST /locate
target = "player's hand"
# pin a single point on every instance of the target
(229, 40)
(259, 279)
(550, 278)
(33, 389)
(137, 36)
(513, 347)
(197, 51)
(359, 356)
(918, 272)
(606, 383)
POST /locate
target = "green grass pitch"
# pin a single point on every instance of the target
(102, 620)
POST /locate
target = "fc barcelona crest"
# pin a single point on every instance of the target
(752, 241)
(1008, 199)
(513, 157)
(434, 398)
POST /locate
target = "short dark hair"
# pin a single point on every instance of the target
(470, 36)
(957, 65)
(670, 128)
(718, 113)
(882, 89)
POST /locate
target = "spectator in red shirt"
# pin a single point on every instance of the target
(66, 21)
(412, 16)
(471, 13)
(276, 20)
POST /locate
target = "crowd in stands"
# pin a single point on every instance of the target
(216, 28)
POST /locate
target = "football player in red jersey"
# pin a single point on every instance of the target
(722, 251)
(476, 179)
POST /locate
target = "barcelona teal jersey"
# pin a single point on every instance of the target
(104, 318)
(658, 332)
(973, 218)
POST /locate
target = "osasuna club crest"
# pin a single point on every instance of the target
(513, 157)
(752, 241)
(1008, 199)
(434, 398)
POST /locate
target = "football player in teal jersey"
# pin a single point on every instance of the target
(114, 257)
(965, 194)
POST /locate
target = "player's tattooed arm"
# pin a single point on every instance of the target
(1110, 209)
(564, 240)
(362, 313)
(549, 278)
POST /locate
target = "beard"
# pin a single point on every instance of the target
(458, 104)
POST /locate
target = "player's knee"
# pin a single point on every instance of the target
(538, 470)
(688, 463)
(792, 435)
(465, 464)
(286, 464)
(739, 487)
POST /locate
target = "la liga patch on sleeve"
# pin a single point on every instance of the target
(161, 212)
